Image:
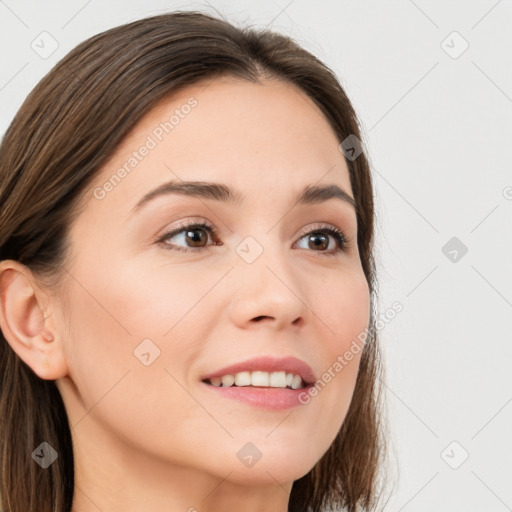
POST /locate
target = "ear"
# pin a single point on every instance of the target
(27, 322)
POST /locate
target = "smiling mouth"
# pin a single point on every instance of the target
(258, 379)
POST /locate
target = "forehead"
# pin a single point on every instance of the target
(258, 138)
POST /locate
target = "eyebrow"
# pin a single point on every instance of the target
(219, 192)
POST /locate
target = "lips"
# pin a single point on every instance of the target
(289, 365)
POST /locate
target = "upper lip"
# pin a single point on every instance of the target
(268, 364)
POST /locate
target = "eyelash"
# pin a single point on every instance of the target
(338, 235)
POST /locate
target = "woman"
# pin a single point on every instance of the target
(186, 280)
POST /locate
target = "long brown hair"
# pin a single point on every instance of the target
(67, 128)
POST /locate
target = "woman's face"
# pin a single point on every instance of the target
(148, 316)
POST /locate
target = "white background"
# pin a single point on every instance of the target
(438, 130)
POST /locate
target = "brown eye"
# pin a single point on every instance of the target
(189, 237)
(319, 240)
(196, 237)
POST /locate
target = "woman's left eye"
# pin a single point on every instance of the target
(198, 234)
(320, 238)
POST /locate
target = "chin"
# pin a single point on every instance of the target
(278, 460)
(270, 473)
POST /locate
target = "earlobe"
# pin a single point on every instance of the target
(24, 324)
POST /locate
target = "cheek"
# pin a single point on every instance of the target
(158, 297)
(343, 308)
(99, 347)
(138, 332)
(116, 389)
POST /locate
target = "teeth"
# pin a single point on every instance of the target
(216, 381)
(243, 379)
(227, 380)
(278, 380)
(296, 382)
(259, 379)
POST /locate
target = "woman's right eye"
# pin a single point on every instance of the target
(195, 233)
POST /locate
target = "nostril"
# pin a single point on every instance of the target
(258, 318)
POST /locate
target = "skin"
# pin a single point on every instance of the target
(153, 437)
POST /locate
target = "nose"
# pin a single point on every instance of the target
(267, 291)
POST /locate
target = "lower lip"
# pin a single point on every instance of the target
(273, 399)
